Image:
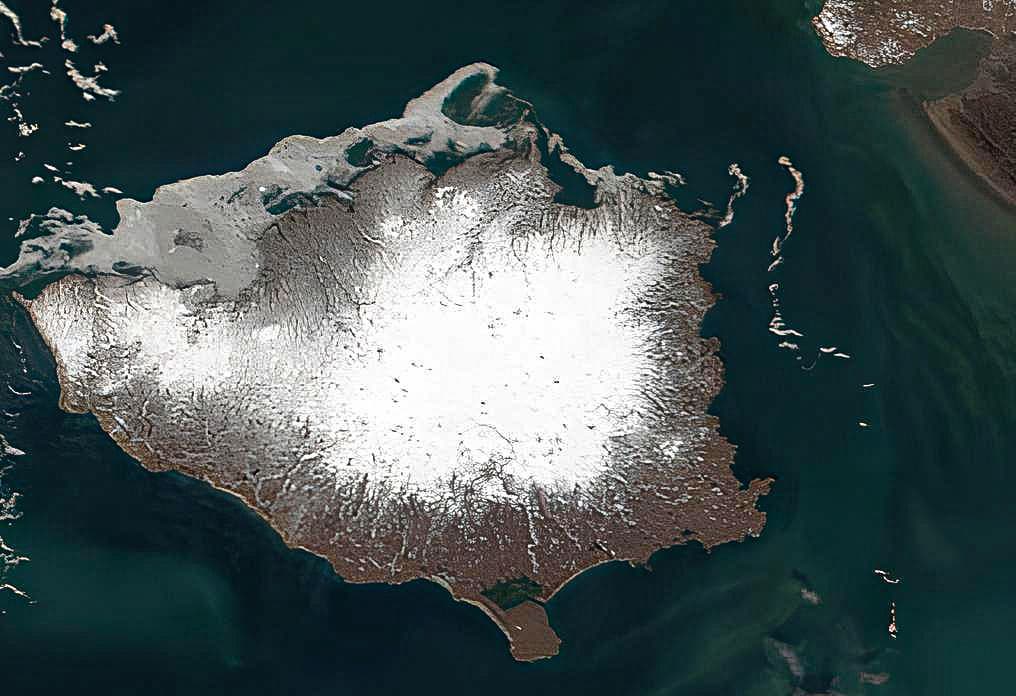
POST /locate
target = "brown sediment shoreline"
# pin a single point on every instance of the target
(942, 115)
(979, 123)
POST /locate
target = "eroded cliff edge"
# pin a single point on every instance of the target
(979, 123)
(408, 357)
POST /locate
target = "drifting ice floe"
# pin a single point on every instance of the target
(81, 188)
(740, 188)
(778, 325)
(886, 577)
(60, 17)
(15, 20)
(9, 558)
(89, 84)
(22, 69)
(108, 34)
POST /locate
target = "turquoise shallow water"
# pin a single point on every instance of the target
(157, 583)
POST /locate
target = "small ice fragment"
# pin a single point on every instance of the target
(22, 69)
(887, 577)
(108, 34)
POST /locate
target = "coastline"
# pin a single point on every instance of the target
(956, 146)
(468, 565)
(498, 616)
(975, 121)
(941, 115)
(540, 642)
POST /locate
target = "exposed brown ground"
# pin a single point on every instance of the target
(979, 123)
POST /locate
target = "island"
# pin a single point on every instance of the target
(979, 123)
(433, 347)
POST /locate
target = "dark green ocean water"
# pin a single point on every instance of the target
(156, 584)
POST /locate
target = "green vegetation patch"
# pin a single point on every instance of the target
(510, 593)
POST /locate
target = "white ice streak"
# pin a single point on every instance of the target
(22, 69)
(108, 34)
(81, 188)
(15, 590)
(89, 85)
(740, 188)
(791, 203)
(9, 93)
(15, 20)
(777, 325)
(9, 450)
(25, 128)
(674, 179)
(60, 17)
(887, 577)
(9, 558)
